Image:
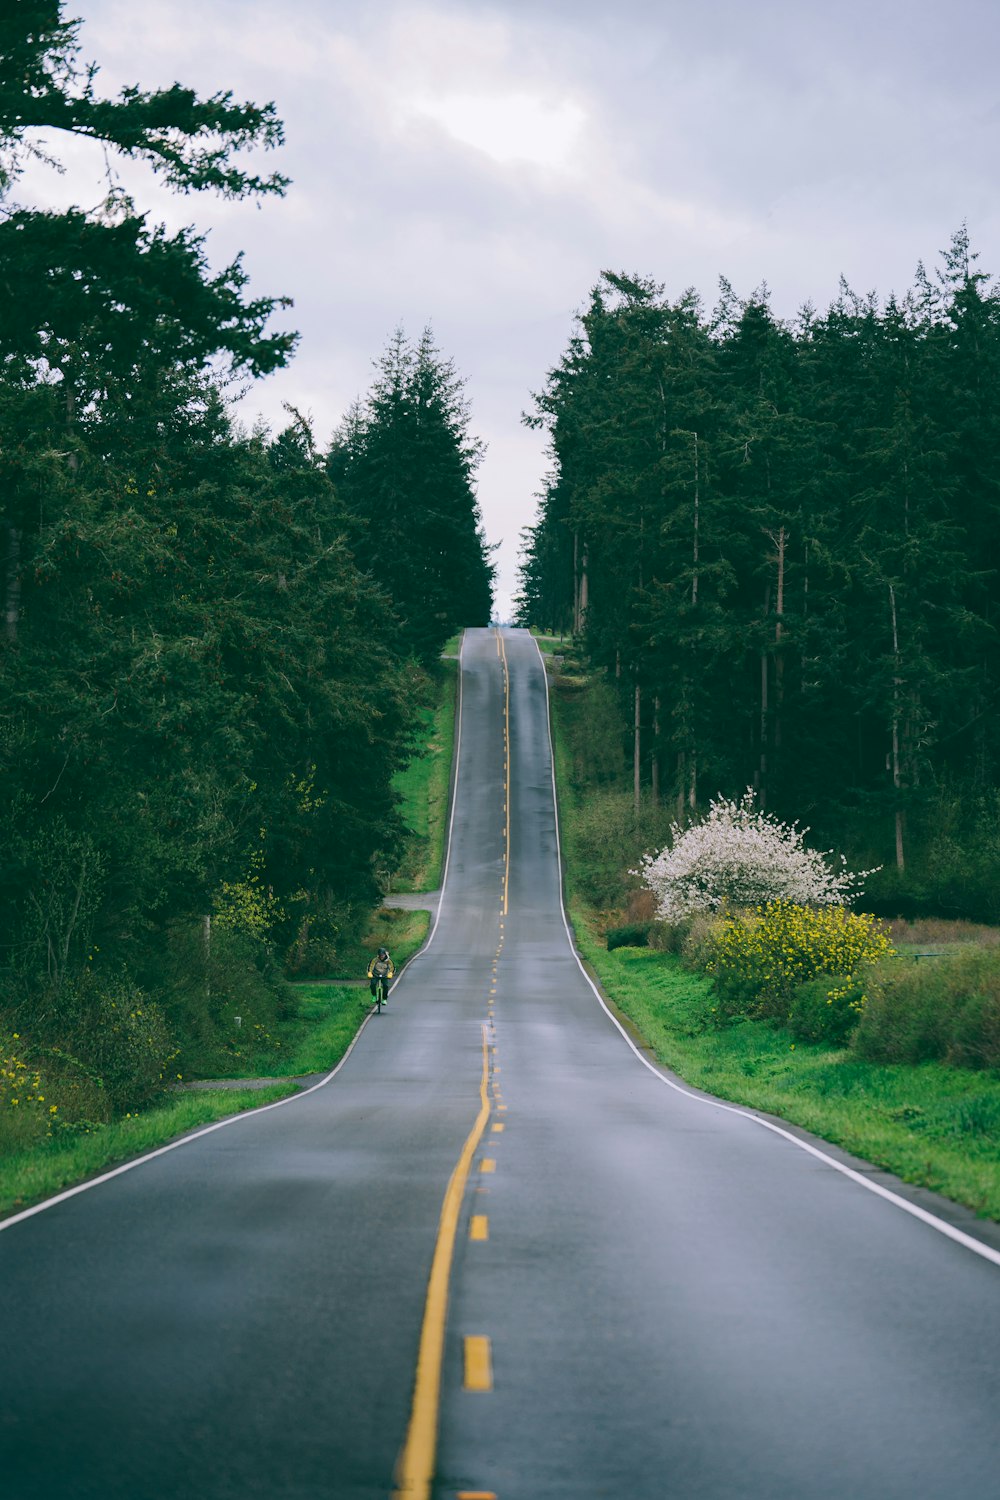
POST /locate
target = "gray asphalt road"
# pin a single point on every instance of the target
(677, 1302)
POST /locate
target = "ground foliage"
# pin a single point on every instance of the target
(207, 683)
(861, 1084)
(779, 542)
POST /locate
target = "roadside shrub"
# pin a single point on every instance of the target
(739, 857)
(635, 935)
(825, 1009)
(669, 937)
(205, 986)
(759, 958)
(120, 1036)
(641, 907)
(940, 1009)
(26, 1109)
(699, 936)
(609, 838)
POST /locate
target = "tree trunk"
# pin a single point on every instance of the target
(206, 944)
(12, 582)
(779, 665)
(654, 769)
(697, 518)
(764, 714)
(897, 779)
(637, 749)
(584, 590)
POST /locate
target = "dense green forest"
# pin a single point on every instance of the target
(215, 643)
(778, 542)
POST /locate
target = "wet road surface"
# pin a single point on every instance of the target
(651, 1297)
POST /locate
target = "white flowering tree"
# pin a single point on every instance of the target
(739, 857)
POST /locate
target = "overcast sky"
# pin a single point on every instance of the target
(475, 164)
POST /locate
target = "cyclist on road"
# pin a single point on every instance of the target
(381, 967)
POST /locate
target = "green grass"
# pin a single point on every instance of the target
(30, 1175)
(932, 1125)
(551, 644)
(402, 932)
(423, 786)
(326, 1020)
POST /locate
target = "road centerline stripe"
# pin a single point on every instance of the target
(478, 1363)
(506, 778)
(415, 1469)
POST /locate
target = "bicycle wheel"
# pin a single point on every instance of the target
(379, 995)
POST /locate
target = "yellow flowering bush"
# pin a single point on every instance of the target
(758, 958)
(249, 906)
(26, 1111)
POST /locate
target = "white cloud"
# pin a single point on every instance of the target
(511, 127)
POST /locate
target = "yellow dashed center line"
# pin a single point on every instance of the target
(506, 778)
(487, 1164)
(415, 1470)
(497, 1127)
(479, 1228)
(478, 1364)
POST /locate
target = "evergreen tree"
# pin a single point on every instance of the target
(780, 543)
(404, 465)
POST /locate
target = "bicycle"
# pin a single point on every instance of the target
(381, 992)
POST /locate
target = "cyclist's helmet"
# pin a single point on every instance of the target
(382, 953)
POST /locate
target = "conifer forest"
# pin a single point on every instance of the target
(215, 643)
(778, 543)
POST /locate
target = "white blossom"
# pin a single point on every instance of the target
(739, 857)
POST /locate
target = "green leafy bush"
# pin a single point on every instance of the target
(945, 1008)
(633, 935)
(26, 1109)
(825, 1009)
(698, 937)
(222, 998)
(121, 1036)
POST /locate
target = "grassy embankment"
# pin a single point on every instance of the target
(933, 1125)
(312, 1041)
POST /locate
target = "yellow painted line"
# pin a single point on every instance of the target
(501, 1106)
(506, 790)
(497, 1127)
(415, 1469)
(479, 1228)
(487, 1164)
(478, 1364)
(476, 1495)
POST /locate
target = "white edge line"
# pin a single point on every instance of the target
(941, 1225)
(247, 1114)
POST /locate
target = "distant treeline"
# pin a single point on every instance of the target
(780, 541)
(214, 643)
